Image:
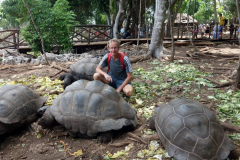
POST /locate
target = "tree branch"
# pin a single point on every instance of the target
(42, 42)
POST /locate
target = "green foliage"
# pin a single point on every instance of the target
(205, 12)
(101, 19)
(229, 9)
(54, 24)
(100, 7)
(83, 10)
(164, 77)
(185, 6)
(229, 105)
(10, 14)
(158, 81)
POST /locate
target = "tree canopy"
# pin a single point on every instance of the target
(53, 22)
(112, 12)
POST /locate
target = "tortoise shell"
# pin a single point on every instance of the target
(17, 104)
(189, 130)
(90, 107)
(86, 67)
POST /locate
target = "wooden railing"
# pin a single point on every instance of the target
(11, 38)
(82, 33)
(92, 33)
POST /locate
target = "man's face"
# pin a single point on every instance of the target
(113, 48)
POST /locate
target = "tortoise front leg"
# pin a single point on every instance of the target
(105, 137)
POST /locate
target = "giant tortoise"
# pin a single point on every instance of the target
(82, 69)
(189, 130)
(90, 109)
(18, 105)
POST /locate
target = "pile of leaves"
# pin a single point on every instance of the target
(159, 80)
(42, 84)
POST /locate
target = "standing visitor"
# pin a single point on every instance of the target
(207, 30)
(200, 27)
(216, 34)
(202, 30)
(231, 29)
(222, 21)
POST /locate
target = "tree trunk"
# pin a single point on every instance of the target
(156, 48)
(216, 19)
(146, 23)
(116, 24)
(238, 68)
(42, 42)
(139, 25)
(123, 15)
(172, 36)
(129, 15)
(111, 14)
(108, 18)
(193, 19)
(215, 12)
(173, 15)
(195, 49)
(168, 33)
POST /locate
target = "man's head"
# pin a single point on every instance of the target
(113, 45)
(230, 22)
(220, 15)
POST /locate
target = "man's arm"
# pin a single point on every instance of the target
(100, 71)
(127, 80)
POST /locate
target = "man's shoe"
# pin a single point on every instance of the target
(125, 96)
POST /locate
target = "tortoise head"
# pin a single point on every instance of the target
(152, 122)
(47, 120)
(152, 119)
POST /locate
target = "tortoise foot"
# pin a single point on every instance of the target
(105, 137)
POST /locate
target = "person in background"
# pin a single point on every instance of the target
(207, 30)
(231, 29)
(238, 30)
(216, 34)
(127, 35)
(200, 27)
(221, 23)
(122, 30)
(144, 29)
(195, 33)
(150, 29)
(202, 30)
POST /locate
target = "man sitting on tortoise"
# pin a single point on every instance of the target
(119, 74)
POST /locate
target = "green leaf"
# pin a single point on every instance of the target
(39, 135)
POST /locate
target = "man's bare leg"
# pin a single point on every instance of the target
(100, 77)
(128, 90)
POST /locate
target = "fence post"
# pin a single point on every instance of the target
(18, 40)
(89, 30)
(14, 39)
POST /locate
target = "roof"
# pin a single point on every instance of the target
(183, 18)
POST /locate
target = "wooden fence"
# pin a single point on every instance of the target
(82, 33)
(92, 33)
(10, 38)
